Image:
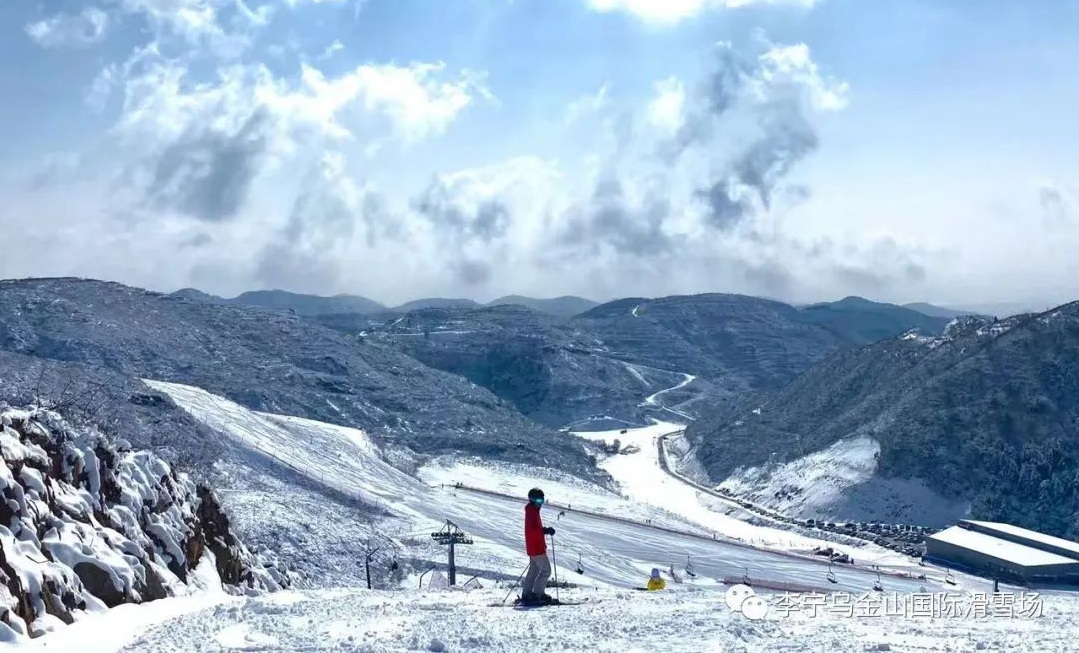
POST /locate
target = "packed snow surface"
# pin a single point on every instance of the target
(611, 620)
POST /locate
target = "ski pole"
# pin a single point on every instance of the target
(525, 570)
(554, 561)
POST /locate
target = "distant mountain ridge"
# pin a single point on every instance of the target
(434, 302)
(608, 360)
(565, 306)
(863, 321)
(938, 311)
(314, 305)
(306, 305)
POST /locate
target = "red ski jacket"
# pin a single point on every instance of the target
(535, 544)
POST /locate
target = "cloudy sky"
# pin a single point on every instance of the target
(902, 150)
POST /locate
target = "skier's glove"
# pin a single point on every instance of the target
(548, 531)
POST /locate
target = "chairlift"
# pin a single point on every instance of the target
(831, 575)
(427, 571)
(580, 568)
(394, 566)
(949, 578)
(745, 576)
(674, 576)
(877, 585)
(689, 567)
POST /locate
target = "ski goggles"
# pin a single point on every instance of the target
(538, 501)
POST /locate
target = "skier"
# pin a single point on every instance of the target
(656, 582)
(539, 567)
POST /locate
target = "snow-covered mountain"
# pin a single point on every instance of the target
(272, 361)
(981, 419)
(607, 360)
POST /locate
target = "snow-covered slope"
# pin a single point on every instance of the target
(611, 539)
(87, 524)
(615, 621)
(810, 485)
(614, 539)
(840, 482)
(641, 477)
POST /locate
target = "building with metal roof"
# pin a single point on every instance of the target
(1005, 552)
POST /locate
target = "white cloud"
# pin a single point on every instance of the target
(102, 86)
(222, 28)
(418, 102)
(666, 109)
(331, 50)
(587, 106)
(233, 151)
(190, 18)
(667, 12)
(792, 69)
(70, 30)
(270, 176)
(162, 99)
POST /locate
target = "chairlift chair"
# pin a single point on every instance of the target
(580, 568)
(689, 568)
(831, 575)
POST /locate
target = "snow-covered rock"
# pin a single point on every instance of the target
(86, 524)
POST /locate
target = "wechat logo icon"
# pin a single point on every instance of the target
(742, 598)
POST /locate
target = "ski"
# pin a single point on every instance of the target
(542, 605)
(548, 605)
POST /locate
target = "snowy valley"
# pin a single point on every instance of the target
(315, 465)
(607, 540)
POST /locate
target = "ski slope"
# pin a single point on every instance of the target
(616, 620)
(612, 553)
(612, 539)
(642, 478)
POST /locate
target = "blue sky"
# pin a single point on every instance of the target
(902, 150)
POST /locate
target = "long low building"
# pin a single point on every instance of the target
(1005, 552)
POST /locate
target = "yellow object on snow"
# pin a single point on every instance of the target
(656, 584)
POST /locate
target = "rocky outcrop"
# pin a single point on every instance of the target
(86, 524)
